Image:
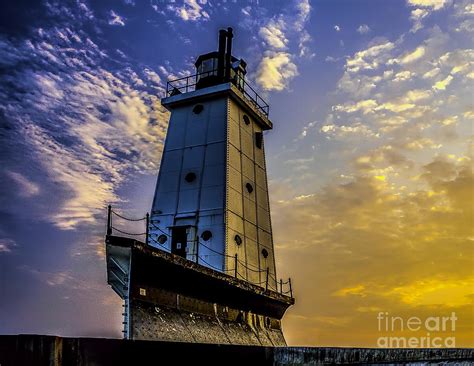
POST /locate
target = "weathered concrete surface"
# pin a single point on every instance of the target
(38, 350)
(162, 323)
(335, 355)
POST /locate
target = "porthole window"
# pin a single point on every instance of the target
(249, 187)
(246, 119)
(264, 253)
(238, 239)
(258, 139)
(162, 239)
(198, 108)
(206, 235)
(190, 177)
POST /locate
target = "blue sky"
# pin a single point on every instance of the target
(370, 159)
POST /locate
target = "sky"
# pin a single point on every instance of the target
(370, 161)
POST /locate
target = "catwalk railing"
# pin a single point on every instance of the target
(269, 283)
(188, 83)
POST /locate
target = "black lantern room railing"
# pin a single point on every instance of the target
(188, 84)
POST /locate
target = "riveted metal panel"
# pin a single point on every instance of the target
(169, 182)
(235, 222)
(219, 108)
(259, 158)
(247, 144)
(176, 130)
(265, 239)
(212, 198)
(196, 131)
(216, 130)
(213, 175)
(252, 261)
(206, 219)
(245, 126)
(211, 252)
(171, 161)
(248, 169)
(234, 157)
(250, 212)
(162, 222)
(263, 217)
(246, 193)
(250, 230)
(185, 185)
(261, 177)
(251, 162)
(256, 127)
(268, 263)
(234, 133)
(235, 201)
(235, 179)
(262, 198)
(234, 111)
(232, 249)
(215, 153)
(166, 202)
(188, 200)
(193, 157)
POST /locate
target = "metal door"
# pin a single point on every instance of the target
(179, 240)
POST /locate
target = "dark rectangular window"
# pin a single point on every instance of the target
(259, 139)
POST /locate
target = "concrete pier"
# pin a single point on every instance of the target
(40, 350)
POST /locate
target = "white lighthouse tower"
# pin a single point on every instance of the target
(205, 272)
(211, 202)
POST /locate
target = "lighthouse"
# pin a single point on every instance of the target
(205, 271)
(211, 201)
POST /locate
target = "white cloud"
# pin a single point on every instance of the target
(26, 187)
(6, 245)
(424, 9)
(363, 29)
(276, 70)
(366, 106)
(442, 84)
(86, 127)
(303, 9)
(417, 16)
(356, 129)
(116, 19)
(395, 106)
(433, 4)
(403, 76)
(369, 58)
(304, 50)
(246, 10)
(152, 76)
(413, 56)
(191, 10)
(466, 26)
(432, 73)
(273, 34)
(281, 34)
(416, 95)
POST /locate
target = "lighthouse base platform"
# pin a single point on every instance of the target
(169, 298)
